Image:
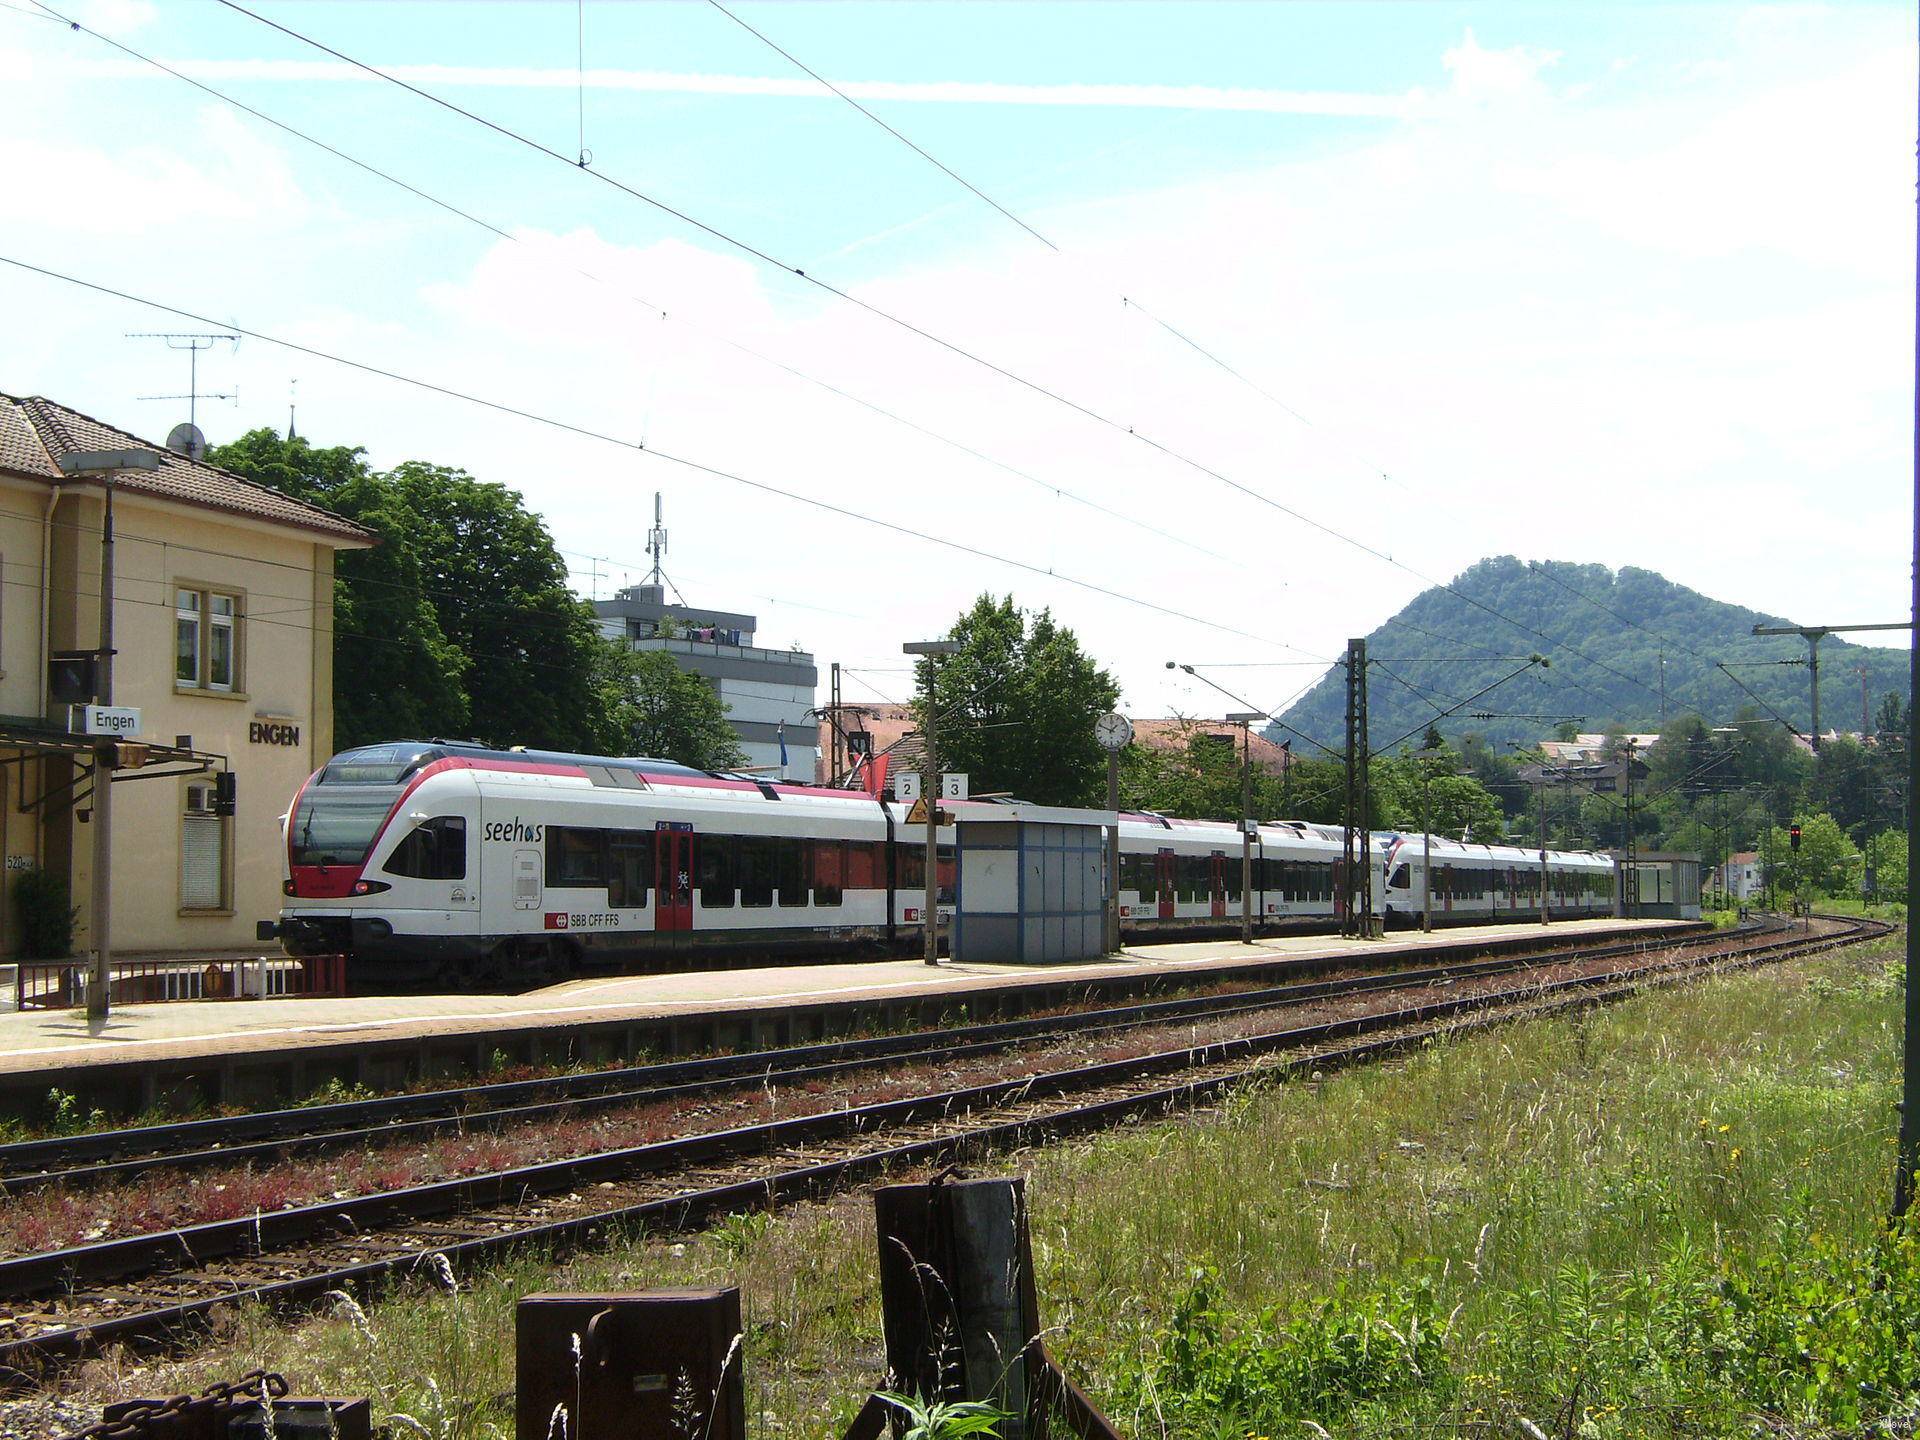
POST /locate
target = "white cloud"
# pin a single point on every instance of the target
(1591, 326)
(1352, 104)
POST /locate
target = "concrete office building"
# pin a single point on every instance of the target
(769, 694)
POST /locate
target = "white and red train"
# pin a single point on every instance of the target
(442, 856)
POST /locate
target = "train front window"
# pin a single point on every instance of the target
(1401, 877)
(337, 827)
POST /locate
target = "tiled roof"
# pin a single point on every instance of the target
(1178, 732)
(33, 431)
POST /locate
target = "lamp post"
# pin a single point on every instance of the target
(931, 651)
(104, 465)
(1245, 720)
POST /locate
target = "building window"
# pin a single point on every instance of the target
(203, 852)
(206, 646)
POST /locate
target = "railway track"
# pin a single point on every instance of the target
(153, 1287)
(225, 1141)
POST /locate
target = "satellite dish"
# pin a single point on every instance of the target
(186, 439)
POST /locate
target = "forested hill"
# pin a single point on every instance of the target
(1604, 668)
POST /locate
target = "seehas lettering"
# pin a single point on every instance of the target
(513, 832)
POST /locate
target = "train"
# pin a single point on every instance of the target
(456, 860)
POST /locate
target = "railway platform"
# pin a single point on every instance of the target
(266, 1051)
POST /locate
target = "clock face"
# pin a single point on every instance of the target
(1113, 731)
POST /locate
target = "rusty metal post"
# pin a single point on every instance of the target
(959, 1312)
(639, 1365)
(956, 1294)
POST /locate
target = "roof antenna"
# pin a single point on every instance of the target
(192, 344)
(293, 395)
(656, 542)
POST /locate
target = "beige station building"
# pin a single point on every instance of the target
(223, 640)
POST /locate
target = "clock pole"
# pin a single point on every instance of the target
(1114, 732)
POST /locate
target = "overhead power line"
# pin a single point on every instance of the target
(951, 174)
(686, 462)
(879, 312)
(1154, 528)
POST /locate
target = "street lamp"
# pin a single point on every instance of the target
(103, 465)
(931, 651)
(1245, 720)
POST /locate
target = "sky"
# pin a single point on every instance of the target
(1325, 303)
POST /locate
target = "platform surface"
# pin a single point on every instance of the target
(32, 1039)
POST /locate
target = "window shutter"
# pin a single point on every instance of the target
(202, 857)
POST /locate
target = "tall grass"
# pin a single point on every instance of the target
(1586, 1225)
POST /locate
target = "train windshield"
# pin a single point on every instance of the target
(337, 826)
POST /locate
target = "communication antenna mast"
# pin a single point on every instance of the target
(193, 344)
(657, 542)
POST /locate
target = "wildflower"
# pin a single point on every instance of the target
(1724, 1129)
(1734, 1158)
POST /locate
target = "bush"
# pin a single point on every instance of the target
(47, 913)
(1312, 1361)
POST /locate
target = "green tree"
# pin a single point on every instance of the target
(396, 673)
(459, 621)
(501, 591)
(1827, 862)
(662, 711)
(1016, 706)
(1459, 804)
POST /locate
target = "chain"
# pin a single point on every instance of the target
(154, 1418)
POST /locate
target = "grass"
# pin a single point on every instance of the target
(1660, 1218)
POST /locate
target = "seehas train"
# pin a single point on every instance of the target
(448, 857)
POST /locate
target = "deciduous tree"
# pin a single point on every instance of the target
(1015, 707)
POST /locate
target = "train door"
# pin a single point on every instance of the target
(673, 876)
(1163, 874)
(1342, 892)
(1445, 888)
(1217, 884)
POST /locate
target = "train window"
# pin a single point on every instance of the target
(713, 870)
(790, 871)
(630, 869)
(576, 857)
(1137, 874)
(1401, 878)
(827, 864)
(433, 850)
(946, 874)
(756, 870)
(866, 866)
(909, 867)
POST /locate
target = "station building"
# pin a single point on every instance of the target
(223, 640)
(768, 693)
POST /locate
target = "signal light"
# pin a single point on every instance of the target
(1793, 837)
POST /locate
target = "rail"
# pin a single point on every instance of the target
(279, 1134)
(679, 1182)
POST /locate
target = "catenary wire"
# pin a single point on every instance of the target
(939, 165)
(911, 327)
(1126, 301)
(1147, 527)
(700, 467)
